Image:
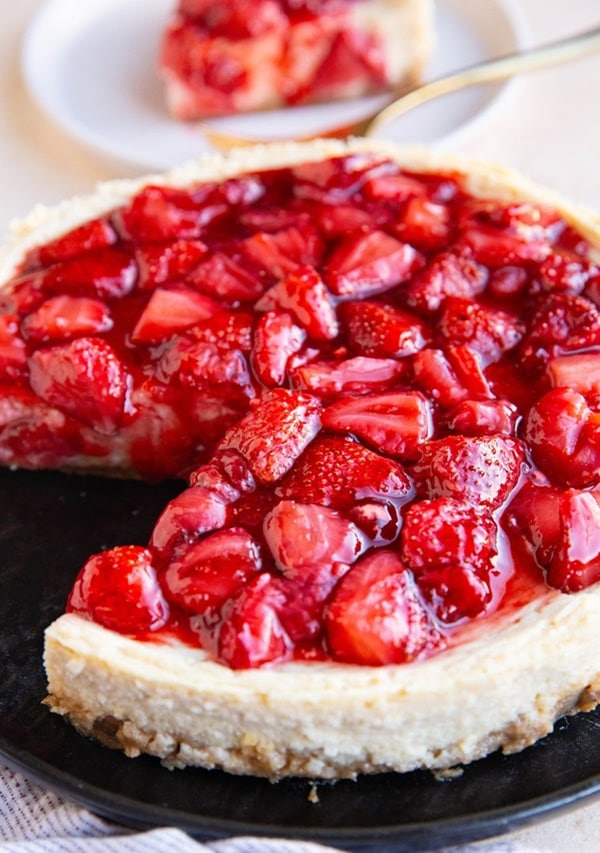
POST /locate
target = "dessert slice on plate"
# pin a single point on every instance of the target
(380, 369)
(243, 55)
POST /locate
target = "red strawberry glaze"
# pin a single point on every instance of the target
(409, 431)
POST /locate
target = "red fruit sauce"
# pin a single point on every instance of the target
(388, 413)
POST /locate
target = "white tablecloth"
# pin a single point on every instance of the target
(549, 128)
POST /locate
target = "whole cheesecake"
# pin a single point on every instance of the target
(379, 371)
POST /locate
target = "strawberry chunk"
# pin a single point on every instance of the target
(280, 253)
(227, 330)
(206, 367)
(394, 188)
(157, 214)
(455, 593)
(396, 423)
(488, 331)
(103, 274)
(535, 513)
(186, 518)
(561, 323)
(276, 338)
(304, 294)
(161, 263)
(338, 472)
(502, 235)
(85, 379)
(576, 561)
(172, 310)
(119, 590)
(226, 278)
(95, 234)
(484, 417)
(13, 355)
(482, 471)
(307, 540)
(338, 179)
(63, 317)
(379, 330)
(580, 372)
(436, 375)
(252, 633)
(367, 264)
(274, 434)
(445, 275)
(446, 533)
(425, 224)
(566, 272)
(360, 375)
(376, 617)
(212, 571)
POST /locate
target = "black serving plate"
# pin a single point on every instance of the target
(49, 524)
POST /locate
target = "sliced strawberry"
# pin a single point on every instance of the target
(367, 264)
(576, 561)
(482, 471)
(340, 220)
(227, 330)
(561, 323)
(160, 263)
(436, 375)
(33, 435)
(337, 472)
(446, 275)
(396, 423)
(273, 435)
(455, 593)
(508, 281)
(354, 59)
(276, 338)
(359, 375)
(380, 521)
(280, 253)
(580, 372)
(304, 294)
(498, 235)
(446, 533)
(484, 417)
(103, 274)
(13, 356)
(338, 179)
(252, 633)
(119, 589)
(563, 435)
(195, 511)
(566, 271)
(379, 330)
(172, 310)
(394, 188)
(204, 367)
(23, 294)
(157, 214)
(489, 331)
(376, 617)
(425, 224)
(468, 364)
(535, 513)
(226, 278)
(310, 541)
(211, 571)
(85, 379)
(95, 234)
(63, 317)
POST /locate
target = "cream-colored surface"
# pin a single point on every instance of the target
(547, 128)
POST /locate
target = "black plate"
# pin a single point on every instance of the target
(49, 524)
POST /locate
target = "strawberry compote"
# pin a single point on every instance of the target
(226, 57)
(384, 392)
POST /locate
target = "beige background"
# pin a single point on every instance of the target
(549, 127)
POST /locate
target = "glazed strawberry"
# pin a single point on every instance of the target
(490, 332)
(579, 372)
(561, 323)
(210, 572)
(376, 617)
(480, 470)
(280, 253)
(84, 379)
(576, 561)
(252, 633)
(274, 434)
(103, 274)
(119, 589)
(13, 356)
(227, 330)
(172, 310)
(535, 512)
(307, 540)
(447, 533)
(425, 224)
(226, 278)
(204, 367)
(157, 214)
(367, 264)
(566, 271)
(303, 293)
(195, 511)
(498, 236)
(396, 423)
(63, 317)
(353, 63)
(338, 179)
(394, 188)
(360, 375)
(161, 263)
(276, 338)
(450, 377)
(96, 234)
(506, 282)
(338, 472)
(376, 329)
(381, 521)
(446, 275)
(455, 593)
(484, 417)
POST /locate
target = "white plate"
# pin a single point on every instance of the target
(91, 66)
